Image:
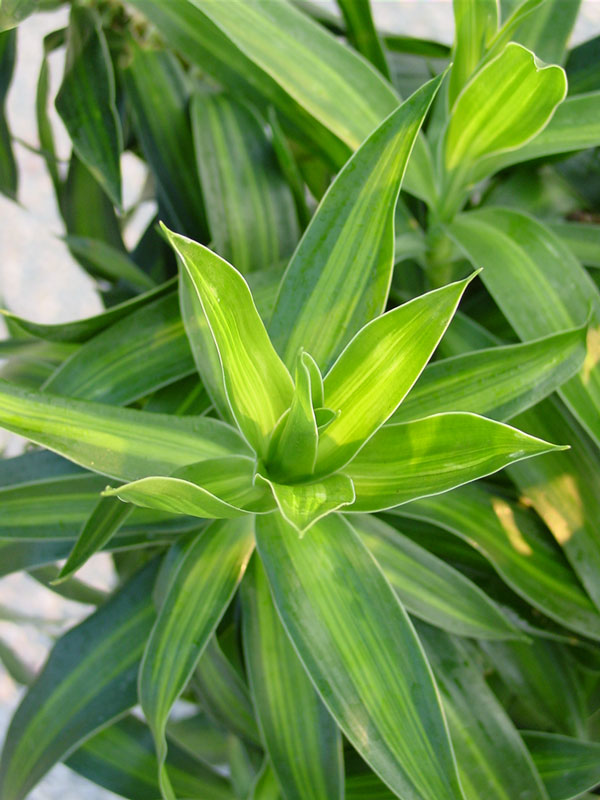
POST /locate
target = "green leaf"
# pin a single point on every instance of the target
(518, 548)
(568, 766)
(220, 488)
(361, 652)
(361, 32)
(339, 276)
(391, 352)
(504, 105)
(289, 167)
(18, 670)
(121, 758)
(545, 679)
(429, 588)
(301, 738)
(86, 101)
(497, 381)
(564, 490)
(524, 272)
(582, 67)
(475, 24)
(9, 177)
(83, 329)
(492, 760)
(266, 786)
(119, 442)
(548, 28)
(106, 518)
(14, 11)
(250, 208)
(109, 261)
(293, 447)
(88, 680)
(199, 590)
(574, 126)
(258, 386)
(302, 504)
(157, 91)
(583, 239)
(409, 460)
(224, 694)
(139, 354)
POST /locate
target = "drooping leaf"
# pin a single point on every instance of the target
(339, 276)
(158, 96)
(409, 460)
(301, 738)
(199, 590)
(86, 101)
(141, 353)
(88, 680)
(109, 261)
(498, 382)
(524, 268)
(106, 518)
(567, 766)
(428, 587)
(249, 207)
(360, 650)
(388, 352)
(514, 542)
(492, 760)
(122, 443)
(257, 384)
(121, 758)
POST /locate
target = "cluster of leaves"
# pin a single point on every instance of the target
(306, 550)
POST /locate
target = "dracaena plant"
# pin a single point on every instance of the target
(284, 432)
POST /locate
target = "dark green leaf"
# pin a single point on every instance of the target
(567, 766)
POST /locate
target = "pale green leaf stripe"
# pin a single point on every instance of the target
(546, 679)
(86, 101)
(498, 382)
(105, 520)
(57, 509)
(88, 681)
(574, 126)
(250, 208)
(121, 758)
(515, 543)
(338, 279)
(304, 58)
(258, 386)
(122, 443)
(409, 460)
(378, 368)
(223, 693)
(198, 594)
(492, 760)
(303, 504)
(83, 329)
(361, 652)
(157, 90)
(583, 239)
(109, 261)
(301, 738)
(568, 766)
(429, 588)
(564, 490)
(137, 355)
(525, 266)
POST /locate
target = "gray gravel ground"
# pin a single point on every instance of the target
(39, 280)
